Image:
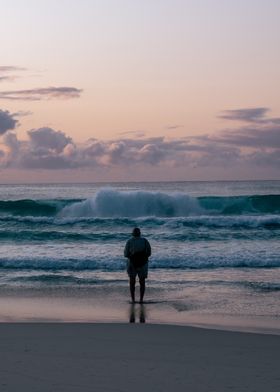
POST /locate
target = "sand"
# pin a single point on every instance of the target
(135, 357)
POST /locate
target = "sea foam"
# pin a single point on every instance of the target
(111, 203)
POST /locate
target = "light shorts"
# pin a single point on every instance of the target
(132, 272)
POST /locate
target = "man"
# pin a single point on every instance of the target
(137, 250)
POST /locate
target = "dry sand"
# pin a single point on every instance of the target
(80, 357)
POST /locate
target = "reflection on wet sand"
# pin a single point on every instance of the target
(141, 313)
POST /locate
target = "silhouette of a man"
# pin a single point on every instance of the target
(138, 251)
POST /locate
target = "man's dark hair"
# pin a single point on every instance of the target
(136, 232)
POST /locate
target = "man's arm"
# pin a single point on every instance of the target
(148, 248)
(126, 250)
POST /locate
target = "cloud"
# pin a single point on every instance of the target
(133, 133)
(265, 158)
(22, 113)
(48, 139)
(35, 94)
(10, 68)
(267, 136)
(172, 127)
(50, 149)
(7, 78)
(45, 149)
(4, 69)
(254, 145)
(7, 121)
(260, 132)
(247, 115)
(38, 94)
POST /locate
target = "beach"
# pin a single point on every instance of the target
(135, 357)
(210, 318)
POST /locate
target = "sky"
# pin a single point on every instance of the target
(129, 90)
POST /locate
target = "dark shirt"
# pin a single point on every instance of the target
(137, 245)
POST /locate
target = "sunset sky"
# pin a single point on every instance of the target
(121, 90)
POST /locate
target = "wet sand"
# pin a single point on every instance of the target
(135, 357)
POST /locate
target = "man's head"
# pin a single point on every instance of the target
(136, 232)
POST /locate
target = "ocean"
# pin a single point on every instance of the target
(215, 249)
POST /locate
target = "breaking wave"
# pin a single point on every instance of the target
(112, 203)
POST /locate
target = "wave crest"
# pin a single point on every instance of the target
(110, 203)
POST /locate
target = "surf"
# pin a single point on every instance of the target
(110, 203)
(113, 203)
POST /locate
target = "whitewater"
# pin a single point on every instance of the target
(218, 237)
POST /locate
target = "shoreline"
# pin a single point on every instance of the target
(84, 309)
(196, 325)
(123, 357)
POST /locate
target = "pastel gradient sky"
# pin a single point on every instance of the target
(121, 90)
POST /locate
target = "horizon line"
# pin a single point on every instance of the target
(130, 182)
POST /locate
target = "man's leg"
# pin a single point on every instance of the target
(132, 281)
(142, 289)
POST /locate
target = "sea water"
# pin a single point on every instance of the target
(215, 245)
